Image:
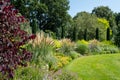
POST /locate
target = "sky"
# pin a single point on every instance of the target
(88, 5)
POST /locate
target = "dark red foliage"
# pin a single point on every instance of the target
(11, 39)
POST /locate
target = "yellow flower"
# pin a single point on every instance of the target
(57, 43)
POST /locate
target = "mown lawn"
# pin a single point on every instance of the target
(96, 67)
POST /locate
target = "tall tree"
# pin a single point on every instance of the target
(117, 36)
(50, 14)
(30, 9)
(85, 20)
(107, 13)
(117, 18)
(102, 11)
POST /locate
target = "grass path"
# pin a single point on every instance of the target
(97, 67)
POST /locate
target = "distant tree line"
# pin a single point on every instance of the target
(52, 16)
(102, 21)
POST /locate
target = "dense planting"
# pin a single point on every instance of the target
(53, 48)
(11, 40)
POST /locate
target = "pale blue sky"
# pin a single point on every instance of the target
(88, 5)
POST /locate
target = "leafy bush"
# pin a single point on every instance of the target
(107, 42)
(65, 75)
(82, 47)
(108, 47)
(105, 47)
(29, 73)
(11, 39)
(2, 77)
(66, 46)
(94, 46)
(26, 27)
(74, 55)
(57, 45)
(51, 61)
(62, 60)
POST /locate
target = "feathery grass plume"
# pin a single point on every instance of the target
(43, 48)
(66, 46)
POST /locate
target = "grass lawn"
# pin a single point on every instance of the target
(96, 67)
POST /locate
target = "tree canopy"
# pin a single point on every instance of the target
(89, 22)
(49, 14)
(117, 18)
(105, 12)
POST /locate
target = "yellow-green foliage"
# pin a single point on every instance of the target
(104, 24)
(84, 42)
(107, 42)
(62, 60)
(57, 43)
(104, 21)
(111, 32)
(82, 47)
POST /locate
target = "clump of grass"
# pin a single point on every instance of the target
(66, 46)
(94, 46)
(43, 49)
